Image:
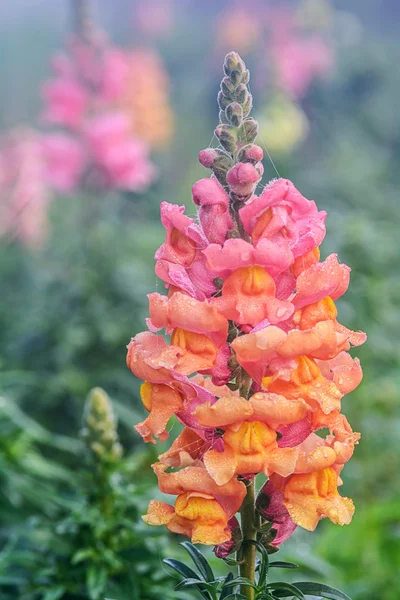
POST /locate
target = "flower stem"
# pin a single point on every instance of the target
(82, 17)
(249, 530)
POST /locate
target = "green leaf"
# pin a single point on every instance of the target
(225, 588)
(188, 574)
(265, 527)
(181, 568)
(200, 561)
(195, 582)
(240, 581)
(95, 581)
(319, 589)
(283, 565)
(235, 597)
(81, 555)
(231, 562)
(54, 593)
(285, 590)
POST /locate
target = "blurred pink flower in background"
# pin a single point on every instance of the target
(96, 146)
(65, 161)
(24, 195)
(299, 56)
(66, 102)
(123, 159)
(300, 61)
(296, 52)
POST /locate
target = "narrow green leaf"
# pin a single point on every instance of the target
(231, 562)
(225, 588)
(81, 555)
(319, 589)
(265, 527)
(188, 574)
(283, 565)
(235, 597)
(195, 582)
(181, 568)
(280, 587)
(95, 581)
(200, 561)
(240, 581)
(54, 593)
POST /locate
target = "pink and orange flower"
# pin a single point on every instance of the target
(93, 144)
(250, 307)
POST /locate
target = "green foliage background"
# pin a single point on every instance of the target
(68, 311)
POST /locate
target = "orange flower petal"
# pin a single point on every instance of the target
(300, 342)
(311, 496)
(251, 448)
(226, 411)
(184, 312)
(356, 338)
(327, 278)
(185, 450)
(324, 310)
(221, 465)
(196, 515)
(158, 513)
(197, 479)
(308, 383)
(281, 461)
(204, 516)
(254, 351)
(162, 401)
(245, 295)
(303, 262)
(314, 455)
(342, 439)
(200, 353)
(276, 410)
(343, 370)
(151, 358)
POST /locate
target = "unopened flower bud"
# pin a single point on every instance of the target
(233, 63)
(246, 77)
(235, 68)
(251, 153)
(241, 93)
(226, 137)
(247, 105)
(248, 131)
(223, 101)
(100, 428)
(242, 179)
(207, 156)
(218, 161)
(234, 114)
(222, 117)
(227, 87)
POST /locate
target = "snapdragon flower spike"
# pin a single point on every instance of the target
(250, 309)
(92, 145)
